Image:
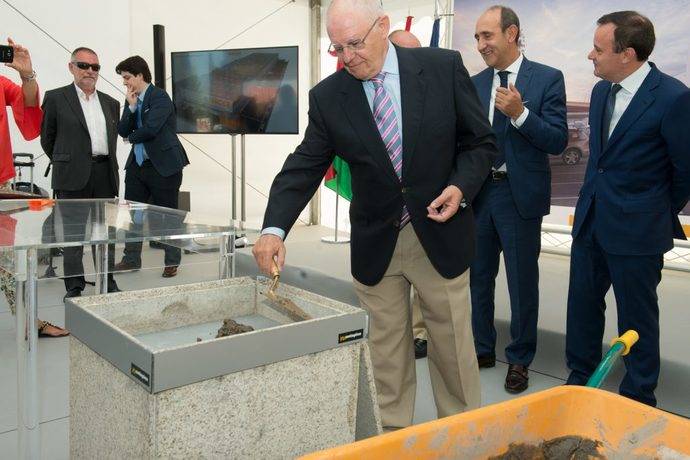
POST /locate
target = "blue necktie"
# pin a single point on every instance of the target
(499, 124)
(608, 114)
(139, 151)
(387, 124)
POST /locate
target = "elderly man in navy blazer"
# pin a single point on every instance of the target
(637, 181)
(409, 124)
(525, 102)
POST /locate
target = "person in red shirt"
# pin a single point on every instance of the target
(24, 101)
(25, 108)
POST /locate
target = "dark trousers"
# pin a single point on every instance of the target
(144, 184)
(98, 186)
(500, 228)
(634, 280)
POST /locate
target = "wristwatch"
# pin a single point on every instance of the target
(31, 76)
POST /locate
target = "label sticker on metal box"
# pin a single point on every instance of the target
(139, 373)
(350, 336)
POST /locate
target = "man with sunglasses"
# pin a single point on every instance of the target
(410, 126)
(79, 135)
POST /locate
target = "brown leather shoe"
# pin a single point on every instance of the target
(516, 379)
(170, 271)
(124, 265)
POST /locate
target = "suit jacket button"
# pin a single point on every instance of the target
(405, 189)
(396, 224)
(601, 171)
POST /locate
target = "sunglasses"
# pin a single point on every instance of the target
(86, 65)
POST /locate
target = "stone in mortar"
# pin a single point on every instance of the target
(231, 327)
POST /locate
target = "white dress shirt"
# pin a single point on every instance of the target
(513, 70)
(95, 121)
(629, 87)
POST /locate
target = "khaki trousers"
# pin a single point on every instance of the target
(418, 327)
(445, 308)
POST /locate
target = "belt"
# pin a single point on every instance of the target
(99, 158)
(498, 176)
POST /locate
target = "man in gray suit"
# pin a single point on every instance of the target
(79, 135)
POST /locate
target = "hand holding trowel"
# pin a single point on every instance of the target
(280, 303)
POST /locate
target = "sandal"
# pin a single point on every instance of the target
(42, 325)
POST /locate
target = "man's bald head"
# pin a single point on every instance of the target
(358, 30)
(404, 39)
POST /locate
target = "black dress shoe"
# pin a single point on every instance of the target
(419, 348)
(124, 265)
(74, 292)
(112, 287)
(486, 361)
(516, 379)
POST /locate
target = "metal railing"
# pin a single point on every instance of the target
(556, 239)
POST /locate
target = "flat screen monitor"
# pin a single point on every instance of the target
(237, 91)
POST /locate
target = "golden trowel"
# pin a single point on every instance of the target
(281, 304)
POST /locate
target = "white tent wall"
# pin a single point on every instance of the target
(117, 30)
(206, 24)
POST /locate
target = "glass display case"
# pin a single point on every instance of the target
(29, 229)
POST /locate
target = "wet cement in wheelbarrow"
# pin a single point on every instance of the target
(561, 448)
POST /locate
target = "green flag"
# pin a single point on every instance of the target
(338, 178)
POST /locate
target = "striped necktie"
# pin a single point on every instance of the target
(387, 124)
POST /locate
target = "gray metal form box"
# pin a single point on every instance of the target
(150, 335)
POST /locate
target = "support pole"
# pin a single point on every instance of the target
(28, 403)
(234, 181)
(315, 70)
(243, 188)
(335, 239)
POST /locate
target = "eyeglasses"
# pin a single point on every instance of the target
(352, 46)
(86, 65)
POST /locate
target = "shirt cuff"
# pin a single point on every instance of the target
(521, 119)
(133, 108)
(279, 232)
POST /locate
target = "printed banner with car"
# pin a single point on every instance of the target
(559, 33)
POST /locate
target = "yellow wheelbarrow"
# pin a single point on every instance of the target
(622, 428)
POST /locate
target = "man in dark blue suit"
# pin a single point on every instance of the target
(154, 167)
(526, 103)
(637, 181)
